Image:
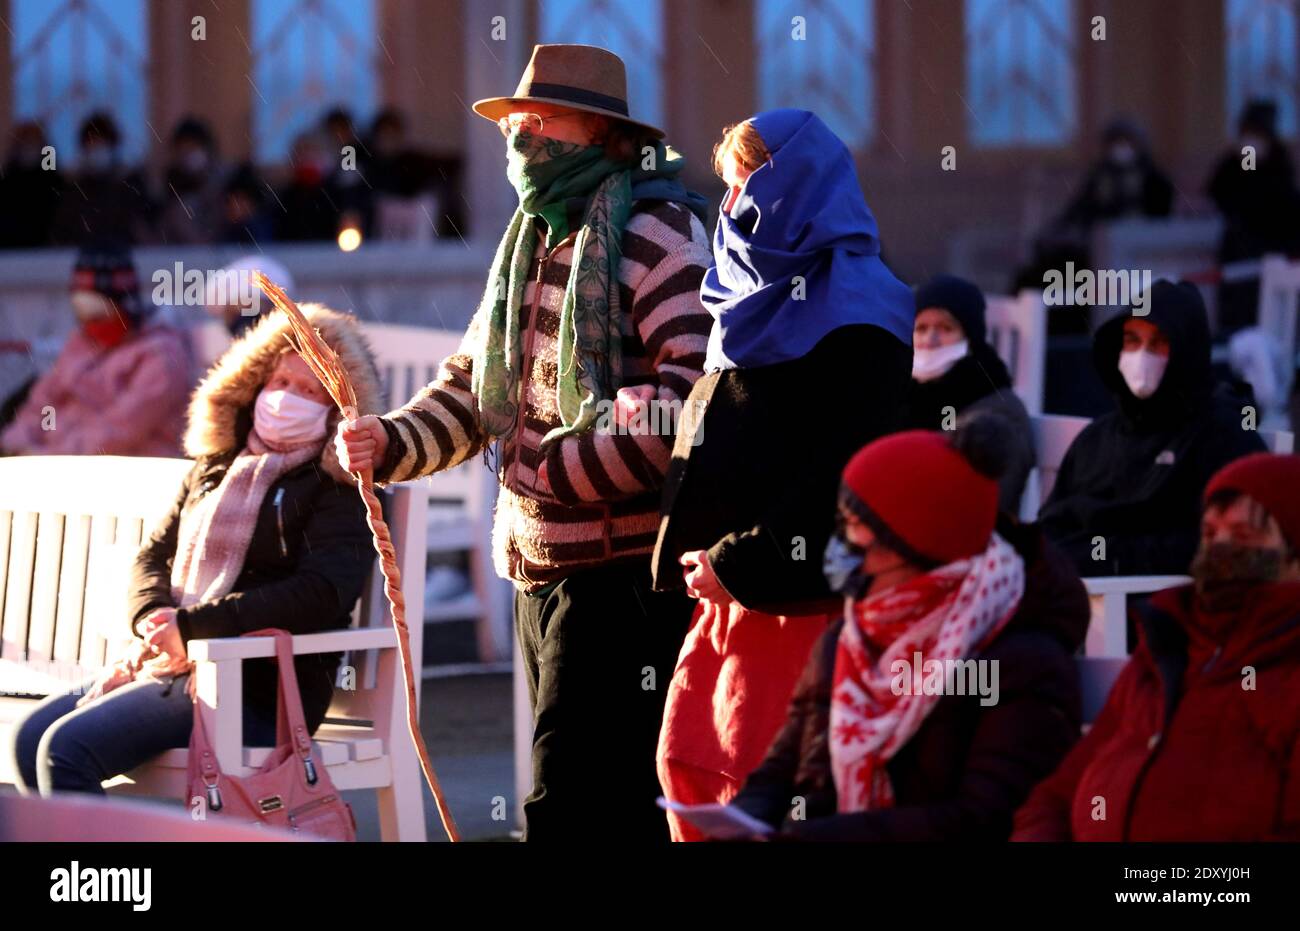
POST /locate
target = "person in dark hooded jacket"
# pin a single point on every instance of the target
(877, 746)
(1197, 740)
(1123, 182)
(957, 377)
(1134, 477)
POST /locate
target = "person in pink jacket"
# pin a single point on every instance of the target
(120, 384)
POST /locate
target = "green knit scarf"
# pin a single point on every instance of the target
(547, 173)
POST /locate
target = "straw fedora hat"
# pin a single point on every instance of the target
(580, 77)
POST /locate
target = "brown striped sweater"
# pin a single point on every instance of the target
(602, 503)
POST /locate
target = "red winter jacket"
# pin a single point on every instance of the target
(1198, 740)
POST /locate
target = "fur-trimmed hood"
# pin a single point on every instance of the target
(221, 409)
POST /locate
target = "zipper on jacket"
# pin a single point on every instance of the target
(279, 520)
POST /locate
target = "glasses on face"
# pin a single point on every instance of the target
(532, 123)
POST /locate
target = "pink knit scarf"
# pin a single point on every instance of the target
(214, 532)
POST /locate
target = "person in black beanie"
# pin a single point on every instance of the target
(957, 378)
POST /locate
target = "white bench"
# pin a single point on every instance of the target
(1107, 633)
(70, 528)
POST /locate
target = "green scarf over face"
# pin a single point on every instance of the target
(547, 174)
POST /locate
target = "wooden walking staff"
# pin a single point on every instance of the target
(324, 362)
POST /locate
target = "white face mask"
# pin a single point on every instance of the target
(929, 364)
(1142, 371)
(283, 417)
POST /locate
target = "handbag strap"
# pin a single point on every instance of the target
(290, 722)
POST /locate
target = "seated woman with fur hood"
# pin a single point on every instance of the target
(266, 531)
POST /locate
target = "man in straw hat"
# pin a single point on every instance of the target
(593, 299)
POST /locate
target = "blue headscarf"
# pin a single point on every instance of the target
(800, 215)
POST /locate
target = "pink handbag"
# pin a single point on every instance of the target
(291, 791)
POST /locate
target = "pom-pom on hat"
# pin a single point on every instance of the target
(925, 494)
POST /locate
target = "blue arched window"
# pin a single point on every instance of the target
(73, 57)
(819, 55)
(1021, 72)
(309, 56)
(1261, 37)
(631, 29)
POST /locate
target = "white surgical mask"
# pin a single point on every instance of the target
(929, 364)
(280, 416)
(1142, 371)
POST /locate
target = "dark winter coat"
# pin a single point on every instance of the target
(759, 491)
(311, 550)
(979, 386)
(966, 770)
(1135, 476)
(1114, 192)
(1190, 746)
(1258, 204)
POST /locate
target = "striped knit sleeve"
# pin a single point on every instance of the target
(439, 427)
(666, 250)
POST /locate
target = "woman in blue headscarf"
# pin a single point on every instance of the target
(809, 360)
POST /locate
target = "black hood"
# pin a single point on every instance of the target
(1179, 312)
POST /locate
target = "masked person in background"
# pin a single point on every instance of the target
(191, 196)
(1123, 182)
(593, 298)
(749, 499)
(1254, 188)
(108, 198)
(1134, 477)
(949, 689)
(267, 531)
(30, 189)
(956, 377)
(308, 214)
(1197, 741)
(119, 384)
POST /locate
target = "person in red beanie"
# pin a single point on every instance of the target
(1197, 741)
(949, 688)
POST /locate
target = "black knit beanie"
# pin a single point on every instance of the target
(960, 298)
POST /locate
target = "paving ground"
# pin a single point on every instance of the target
(467, 727)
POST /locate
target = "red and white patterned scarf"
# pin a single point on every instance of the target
(213, 536)
(948, 614)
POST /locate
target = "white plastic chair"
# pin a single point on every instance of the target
(1017, 331)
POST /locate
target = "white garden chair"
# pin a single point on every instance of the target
(1017, 331)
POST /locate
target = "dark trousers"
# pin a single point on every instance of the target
(59, 747)
(599, 648)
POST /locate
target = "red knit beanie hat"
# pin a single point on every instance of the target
(925, 493)
(1270, 479)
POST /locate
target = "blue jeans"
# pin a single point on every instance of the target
(59, 747)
